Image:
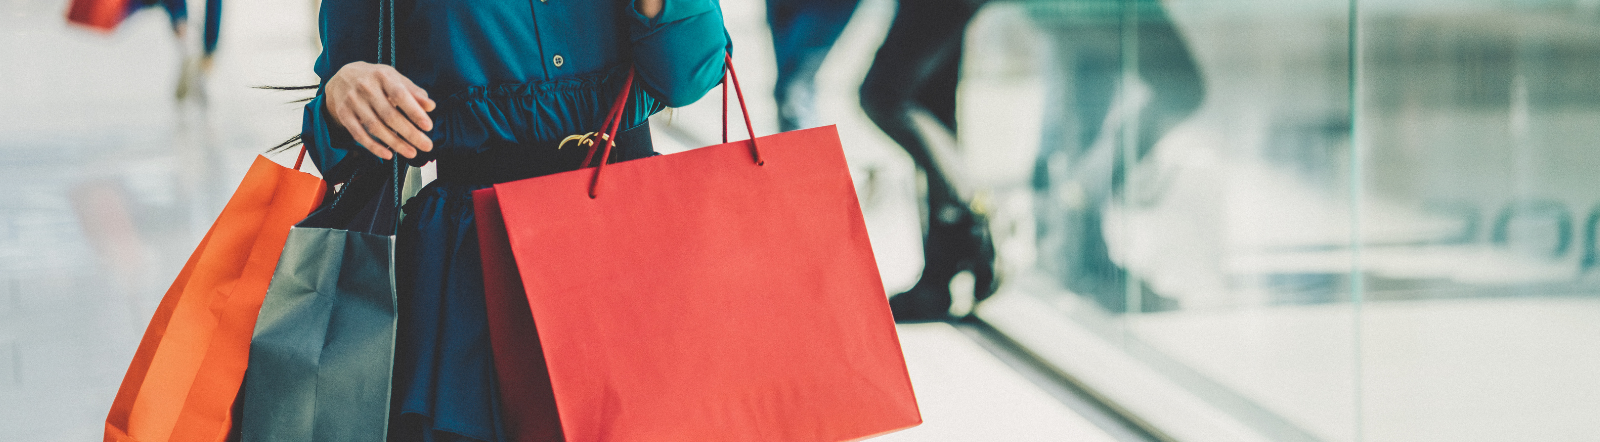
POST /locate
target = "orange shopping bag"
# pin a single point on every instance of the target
(727, 293)
(186, 374)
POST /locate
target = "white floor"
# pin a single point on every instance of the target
(968, 395)
(1426, 370)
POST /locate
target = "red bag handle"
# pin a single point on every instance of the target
(730, 74)
(301, 159)
(608, 130)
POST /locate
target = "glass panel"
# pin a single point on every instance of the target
(1236, 226)
(1477, 128)
(1218, 256)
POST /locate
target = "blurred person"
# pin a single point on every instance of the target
(916, 72)
(178, 19)
(1081, 165)
(192, 71)
(511, 80)
(803, 31)
(208, 50)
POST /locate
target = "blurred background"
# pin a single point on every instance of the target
(1215, 220)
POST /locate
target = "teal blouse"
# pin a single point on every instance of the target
(515, 72)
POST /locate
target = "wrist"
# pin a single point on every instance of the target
(327, 108)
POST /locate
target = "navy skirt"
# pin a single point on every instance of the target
(444, 376)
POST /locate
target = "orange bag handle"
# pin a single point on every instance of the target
(613, 121)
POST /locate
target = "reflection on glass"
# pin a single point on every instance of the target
(1401, 249)
(1192, 200)
(1121, 78)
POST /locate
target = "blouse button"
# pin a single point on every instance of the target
(559, 61)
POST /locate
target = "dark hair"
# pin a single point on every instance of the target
(295, 140)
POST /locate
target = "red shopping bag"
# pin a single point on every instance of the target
(709, 295)
(100, 15)
(186, 374)
(525, 394)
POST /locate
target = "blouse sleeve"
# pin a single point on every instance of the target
(678, 55)
(349, 34)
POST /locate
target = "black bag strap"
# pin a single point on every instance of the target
(368, 202)
(386, 40)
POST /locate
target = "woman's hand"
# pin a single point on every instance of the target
(648, 8)
(383, 110)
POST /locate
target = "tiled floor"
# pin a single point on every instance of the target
(109, 184)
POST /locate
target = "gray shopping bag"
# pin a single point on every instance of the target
(322, 355)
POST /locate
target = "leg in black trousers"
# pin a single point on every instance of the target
(916, 70)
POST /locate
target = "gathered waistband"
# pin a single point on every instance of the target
(483, 118)
(515, 162)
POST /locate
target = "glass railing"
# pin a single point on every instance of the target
(1308, 220)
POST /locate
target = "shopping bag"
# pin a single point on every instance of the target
(185, 375)
(99, 15)
(726, 293)
(323, 351)
(523, 380)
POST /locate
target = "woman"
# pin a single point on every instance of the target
(516, 78)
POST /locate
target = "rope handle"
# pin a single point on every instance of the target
(608, 127)
(743, 108)
(386, 47)
(613, 121)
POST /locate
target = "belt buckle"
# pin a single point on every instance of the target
(583, 140)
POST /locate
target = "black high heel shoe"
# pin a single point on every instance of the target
(958, 241)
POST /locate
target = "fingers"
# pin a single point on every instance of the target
(411, 138)
(375, 127)
(422, 97)
(353, 124)
(406, 114)
(380, 119)
(382, 109)
(407, 133)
